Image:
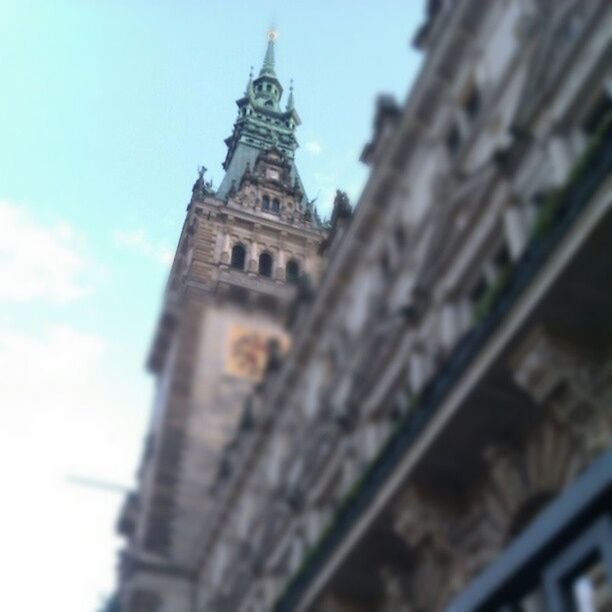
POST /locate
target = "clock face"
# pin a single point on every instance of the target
(248, 351)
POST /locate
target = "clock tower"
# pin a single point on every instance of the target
(242, 250)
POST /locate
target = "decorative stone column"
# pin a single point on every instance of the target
(279, 273)
(417, 368)
(515, 230)
(225, 249)
(560, 158)
(307, 262)
(297, 552)
(313, 525)
(253, 257)
(448, 324)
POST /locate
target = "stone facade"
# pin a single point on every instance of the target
(449, 377)
(244, 252)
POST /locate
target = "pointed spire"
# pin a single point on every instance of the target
(249, 87)
(268, 63)
(290, 102)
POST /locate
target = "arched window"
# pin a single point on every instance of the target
(292, 271)
(275, 205)
(265, 203)
(265, 264)
(238, 257)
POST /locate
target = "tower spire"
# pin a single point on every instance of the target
(261, 125)
(268, 63)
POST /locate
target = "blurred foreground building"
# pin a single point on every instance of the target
(437, 436)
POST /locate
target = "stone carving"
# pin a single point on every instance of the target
(342, 207)
(309, 210)
(394, 585)
(521, 478)
(576, 386)
(201, 187)
(424, 525)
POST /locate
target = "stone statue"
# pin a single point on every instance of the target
(342, 207)
(202, 187)
(232, 190)
(308, 212)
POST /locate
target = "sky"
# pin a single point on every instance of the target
(108, 108)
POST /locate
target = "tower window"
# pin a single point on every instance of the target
(265, 264)
(238, 257)
(293, 271)
(275, 205)
(265, 203)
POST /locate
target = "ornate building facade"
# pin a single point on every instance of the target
(242, 253)
(438, 434)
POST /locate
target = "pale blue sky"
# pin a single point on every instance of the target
(108, 107)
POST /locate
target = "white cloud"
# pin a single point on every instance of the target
(138, 242)
(38, 262)
(314, 147)
(63, 414)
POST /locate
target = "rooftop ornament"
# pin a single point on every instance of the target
(202, 187)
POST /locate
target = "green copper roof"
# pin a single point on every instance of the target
(268, 64)
(261, 123)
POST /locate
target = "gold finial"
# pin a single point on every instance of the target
(272, 34)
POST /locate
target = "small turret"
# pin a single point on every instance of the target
(249, 88)
(290, 102)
